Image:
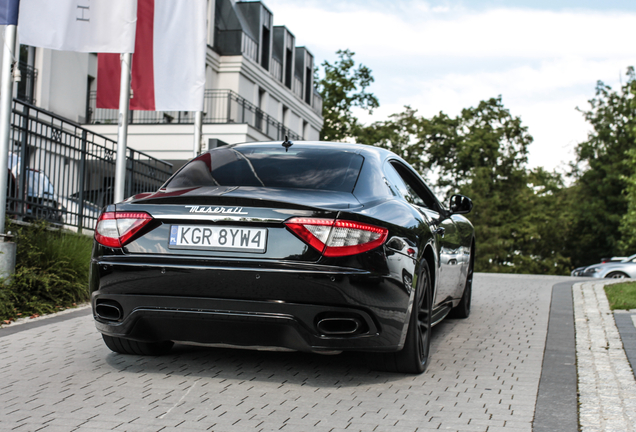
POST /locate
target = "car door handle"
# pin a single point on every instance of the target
(441, 231)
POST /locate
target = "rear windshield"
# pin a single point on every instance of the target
(272, 166)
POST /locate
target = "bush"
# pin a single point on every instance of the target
(51, 271)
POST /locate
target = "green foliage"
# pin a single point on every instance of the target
(547, 220)
(621, 295)
(482, 153)
(627, 228)
(51, 271)
(343, 87)
(602, 172)
(399, 134)
(526, 221)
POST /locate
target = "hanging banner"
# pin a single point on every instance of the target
(168, 66)
(104, 26)
(9, 12)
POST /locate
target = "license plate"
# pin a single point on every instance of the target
(218, 238)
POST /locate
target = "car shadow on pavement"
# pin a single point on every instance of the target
(317, 370)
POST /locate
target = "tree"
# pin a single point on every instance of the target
(343, 87)
(627, 227)
(399, 134)
(482, 153)
(601, 176)
(548, 220)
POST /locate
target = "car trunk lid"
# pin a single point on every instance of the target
(231, 222)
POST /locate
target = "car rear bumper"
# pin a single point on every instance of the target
(250, 306)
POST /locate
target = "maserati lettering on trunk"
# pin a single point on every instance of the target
(216, 210)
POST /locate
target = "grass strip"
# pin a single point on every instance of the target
(621, 295)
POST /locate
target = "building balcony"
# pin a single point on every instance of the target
(220, 107)
(277, 70)
(235, 42)
(316, 103)
(297, 86)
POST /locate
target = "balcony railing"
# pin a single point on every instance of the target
(316, 103)
(277, 70)
(220, 107)
(235, 42)
(297, 86)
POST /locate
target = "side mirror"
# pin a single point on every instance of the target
(460, 204)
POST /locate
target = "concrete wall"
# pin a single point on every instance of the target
(247, 88)
(68, 83)
(274, 108)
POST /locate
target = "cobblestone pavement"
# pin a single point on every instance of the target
(607, 389)
(483, 376)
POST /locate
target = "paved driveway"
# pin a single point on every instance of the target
(483, 376)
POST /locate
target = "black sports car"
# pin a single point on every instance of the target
(316, 247)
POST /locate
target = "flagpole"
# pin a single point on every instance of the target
(198, 132)
(122, 127)
(6, 96)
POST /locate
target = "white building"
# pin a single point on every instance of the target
(259, 86)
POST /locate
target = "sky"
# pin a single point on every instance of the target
(543, 57)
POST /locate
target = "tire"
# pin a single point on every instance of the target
(462, 310)
(127, 346)
(617, 275)
(413, 358)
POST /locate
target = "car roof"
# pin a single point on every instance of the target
(629, 258)
(363, 149)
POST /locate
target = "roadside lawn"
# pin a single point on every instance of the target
(621, 295)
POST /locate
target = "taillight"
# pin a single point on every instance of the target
(114, 229)
(334, 238)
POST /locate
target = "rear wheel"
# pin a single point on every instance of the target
(617, 275)
(127, 346)
(413, 358)
(462, 310)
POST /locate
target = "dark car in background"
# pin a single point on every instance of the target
(317, 247)
(37, 199)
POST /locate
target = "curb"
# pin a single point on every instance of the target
(606, 384)
(26, 323)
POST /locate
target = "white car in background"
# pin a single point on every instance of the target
(624, 268)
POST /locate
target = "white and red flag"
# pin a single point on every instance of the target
(168, 65)
(79, 25)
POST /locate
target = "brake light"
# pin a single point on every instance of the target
(115, 229)
(334, 237)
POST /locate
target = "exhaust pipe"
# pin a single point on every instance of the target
(339, 326)
(109, 311)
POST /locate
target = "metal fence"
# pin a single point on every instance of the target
(220, 106)
(64, 173)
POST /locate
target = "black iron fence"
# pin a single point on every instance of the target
(64, 173)
(220, 106)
